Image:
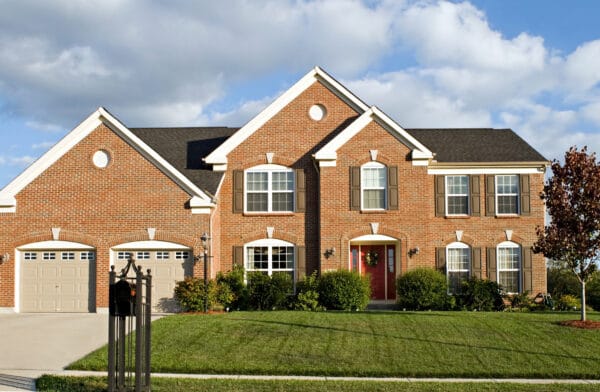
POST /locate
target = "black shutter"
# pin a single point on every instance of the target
(393, 188)
(440, 259)
(490, 195)
(300, 190)
(525, 202)
(476, 263)
(355, 188)
(491, 264)
(238, 191)
(527, 270)
(440, 195)
(474, 198)
(301, 263)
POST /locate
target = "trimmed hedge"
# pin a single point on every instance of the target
(423, 289)
(344, 290)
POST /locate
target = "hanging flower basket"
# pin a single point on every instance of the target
(372, 258)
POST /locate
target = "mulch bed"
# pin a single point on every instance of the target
(587, 324)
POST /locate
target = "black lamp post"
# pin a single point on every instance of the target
(204, 238)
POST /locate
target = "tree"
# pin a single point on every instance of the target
(572, 198)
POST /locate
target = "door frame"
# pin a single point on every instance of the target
(386, 242)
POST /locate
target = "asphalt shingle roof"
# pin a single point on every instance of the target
(184, 148)
(476, 145)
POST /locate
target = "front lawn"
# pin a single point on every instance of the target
(395, 344)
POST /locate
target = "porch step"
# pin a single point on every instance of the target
(381, 306)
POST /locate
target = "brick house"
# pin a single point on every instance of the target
(317, 181)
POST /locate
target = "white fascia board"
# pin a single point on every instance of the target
(329, 151)
(420, 154)
(341, 91)
(219, 155)
(484, 170)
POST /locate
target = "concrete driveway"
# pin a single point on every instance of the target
(34, 343)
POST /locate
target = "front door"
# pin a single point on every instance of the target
(379, 262)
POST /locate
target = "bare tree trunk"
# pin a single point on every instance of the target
(583, 316)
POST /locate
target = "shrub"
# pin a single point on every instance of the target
(232, 290)
(521, 301)
(481, 295)
(307, 297)
(344, 290)
(567, 302)
(191, 293)
(423, 289)
(267, 293)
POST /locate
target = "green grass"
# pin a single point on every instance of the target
(97, 384)
(380, 344)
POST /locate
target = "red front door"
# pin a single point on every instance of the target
(373, 262)
(379, 261)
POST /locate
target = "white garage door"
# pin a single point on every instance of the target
(57, 281)
(167, 267)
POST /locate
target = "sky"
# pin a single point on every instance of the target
(529, 65)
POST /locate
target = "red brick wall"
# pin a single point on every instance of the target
(98, 207)
(293, 137)
(414, 223)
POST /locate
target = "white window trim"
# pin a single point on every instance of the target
(509, 244)
(373, 165)
(497, 194)
(457, 245)
(269, 169)
(447, 193)
(269, 243)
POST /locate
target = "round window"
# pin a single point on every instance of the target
(101, 159)
(317, 112)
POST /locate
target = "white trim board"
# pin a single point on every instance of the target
(485, 170)
(218, 158)
(328, 154)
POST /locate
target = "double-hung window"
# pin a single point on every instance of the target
(373, 186)
(457, 195)
(507, 194)
(269, 188)
(270, 256)
(509, 266)
(458, 265)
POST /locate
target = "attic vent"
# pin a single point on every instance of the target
(317, 112)
(101, 159)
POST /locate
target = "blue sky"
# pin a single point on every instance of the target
(532, 65)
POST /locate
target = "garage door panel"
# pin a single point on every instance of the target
(166, 270)
(60, 285)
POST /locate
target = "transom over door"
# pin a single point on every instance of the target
(57, 281)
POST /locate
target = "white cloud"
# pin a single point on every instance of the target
(43, 145)
(165, 63)
(20, 161)
(46, 127)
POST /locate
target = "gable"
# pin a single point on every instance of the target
(199, 202)
(218, 158)
(420, 155)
